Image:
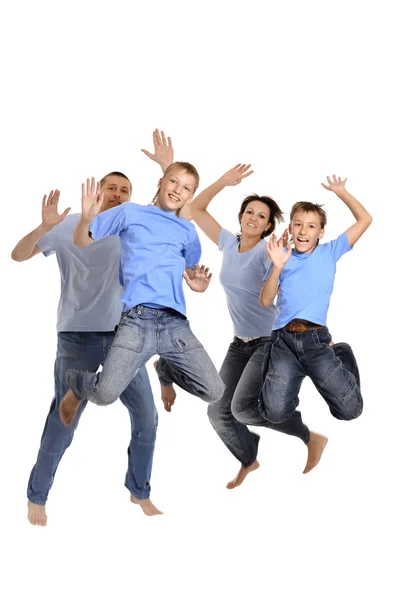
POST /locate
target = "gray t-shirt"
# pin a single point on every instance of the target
(241, 276)
(90, 287)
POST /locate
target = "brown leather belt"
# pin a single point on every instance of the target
(296, 327)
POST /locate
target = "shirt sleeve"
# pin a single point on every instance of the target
(225, 238)
(48, 242)
(110, 222)
(192, 251)
(339, 246)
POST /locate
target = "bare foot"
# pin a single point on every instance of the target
(37, 514)
(146, 506)
(241, 475)
(316, 445)
(68, 408)
(168, 394)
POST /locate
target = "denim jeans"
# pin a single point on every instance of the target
(241, 372)
(290, 357)
(86, 350)
(143, 332)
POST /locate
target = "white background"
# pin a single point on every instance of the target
(301, 90)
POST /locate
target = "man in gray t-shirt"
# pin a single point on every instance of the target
(88, 312)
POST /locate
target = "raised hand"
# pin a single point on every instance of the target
(92, 199)
(335, 185)
(236, 174)
(199, 278)
(163, 149)
(50, 216)
(278, 250)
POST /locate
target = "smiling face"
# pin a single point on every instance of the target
(175, 189)
(306, 231)
(116, 190)
(255, 219)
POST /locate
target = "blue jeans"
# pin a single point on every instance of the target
(86, 350)
(241, 373)
(290, 357)
(143, 332)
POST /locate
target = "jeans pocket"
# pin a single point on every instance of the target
(183, 338)
(321, 337)
(71, 345)
(129, 336)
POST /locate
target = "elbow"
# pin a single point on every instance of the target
(264, 302)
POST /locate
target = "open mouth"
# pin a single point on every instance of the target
(174, 198)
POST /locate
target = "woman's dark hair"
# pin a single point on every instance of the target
(276, 215)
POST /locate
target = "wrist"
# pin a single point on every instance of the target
(44, 228)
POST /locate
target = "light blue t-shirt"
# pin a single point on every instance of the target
(307, 281)
(241, 276)
(156, 248)
(90, 289)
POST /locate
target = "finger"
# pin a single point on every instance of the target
(209, 276)
(44, 201)
(87, 192)
(83, 190)
(93, 186)
(247, 174)
(147, 153)
(245, 168)
(157, 138)
(66, 211)
(329, 180)
(170, 142)
(185, 276)
(325, 186)
(335, 178)
(163, 138)
(56, 197)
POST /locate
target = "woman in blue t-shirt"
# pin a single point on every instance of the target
(245, 263)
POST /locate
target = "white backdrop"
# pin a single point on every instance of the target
(301, 90)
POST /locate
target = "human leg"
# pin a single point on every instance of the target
(74, 350)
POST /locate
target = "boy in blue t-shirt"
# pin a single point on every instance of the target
(301, 344)
(158, 250)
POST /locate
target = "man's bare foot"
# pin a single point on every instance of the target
(168, 394)
(146, 506)
(68, 408)
(316, 445)
(37, 514)
(241, 475)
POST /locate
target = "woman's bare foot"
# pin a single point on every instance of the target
(241, 475)
(168, 394)
(69, 407)
(37, 514)
(316, 445)
(146, 506)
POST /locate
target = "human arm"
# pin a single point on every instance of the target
(198, 278)
(198, 207)
(92, 201)
(363, 218)
(279, 253)
(163, 150)
(27, 247)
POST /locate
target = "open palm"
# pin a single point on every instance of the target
(50, 215)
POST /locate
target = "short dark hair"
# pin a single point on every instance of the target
(276, 214)
(308, 207)
(116, 174)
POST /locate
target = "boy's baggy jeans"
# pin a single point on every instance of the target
(143, 332)
(290, 357)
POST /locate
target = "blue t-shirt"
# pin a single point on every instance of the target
(241, 276)
(90, 291)
(156, 248)
(307, 281)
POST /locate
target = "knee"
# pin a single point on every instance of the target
(215, 392)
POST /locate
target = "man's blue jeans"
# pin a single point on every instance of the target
(143, 332)
(85, 350)
(290, 357)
